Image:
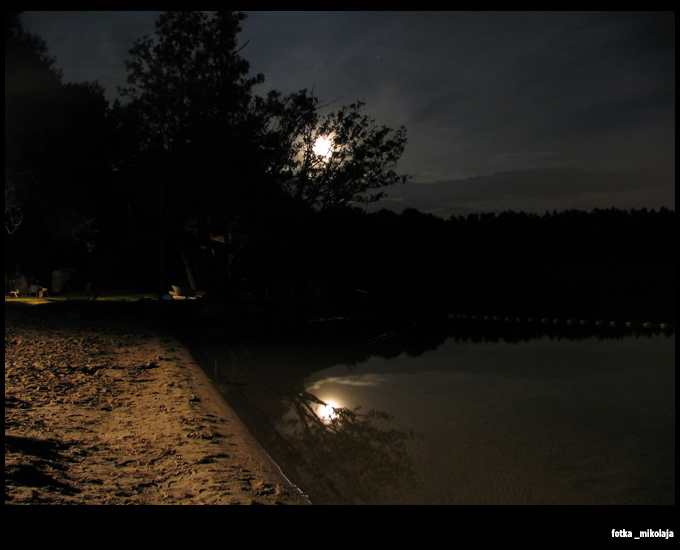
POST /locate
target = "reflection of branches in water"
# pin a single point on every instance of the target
(350, 449)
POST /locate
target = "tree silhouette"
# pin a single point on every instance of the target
(358, 157)
(233, 167)
(56, 157)
(190, 92)
(31, 81)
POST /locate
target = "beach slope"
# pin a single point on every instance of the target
(105, 408)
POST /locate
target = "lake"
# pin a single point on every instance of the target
(459, 412)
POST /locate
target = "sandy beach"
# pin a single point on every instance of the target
(110, 409)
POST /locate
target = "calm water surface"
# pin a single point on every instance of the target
(460, 417)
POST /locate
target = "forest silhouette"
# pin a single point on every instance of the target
(196, 181)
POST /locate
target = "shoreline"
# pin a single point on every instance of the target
(102, 408)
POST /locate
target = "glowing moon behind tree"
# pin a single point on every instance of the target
(323, 146)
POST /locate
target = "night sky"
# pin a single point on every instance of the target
(523, 111)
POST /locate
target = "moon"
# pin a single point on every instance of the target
(327, 411)
(323, 146)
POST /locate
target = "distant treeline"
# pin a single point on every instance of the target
(607, 263)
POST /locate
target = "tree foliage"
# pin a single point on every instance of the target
(359, 160)
(56, 152)
(31, 79)
(233, 163)
(191, 100)
(189, 78)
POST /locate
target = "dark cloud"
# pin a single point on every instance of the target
(535, 191)
(480, 93)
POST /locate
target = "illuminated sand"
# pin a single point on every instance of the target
(99, 411)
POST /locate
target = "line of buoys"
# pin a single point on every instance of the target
(556, 321)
